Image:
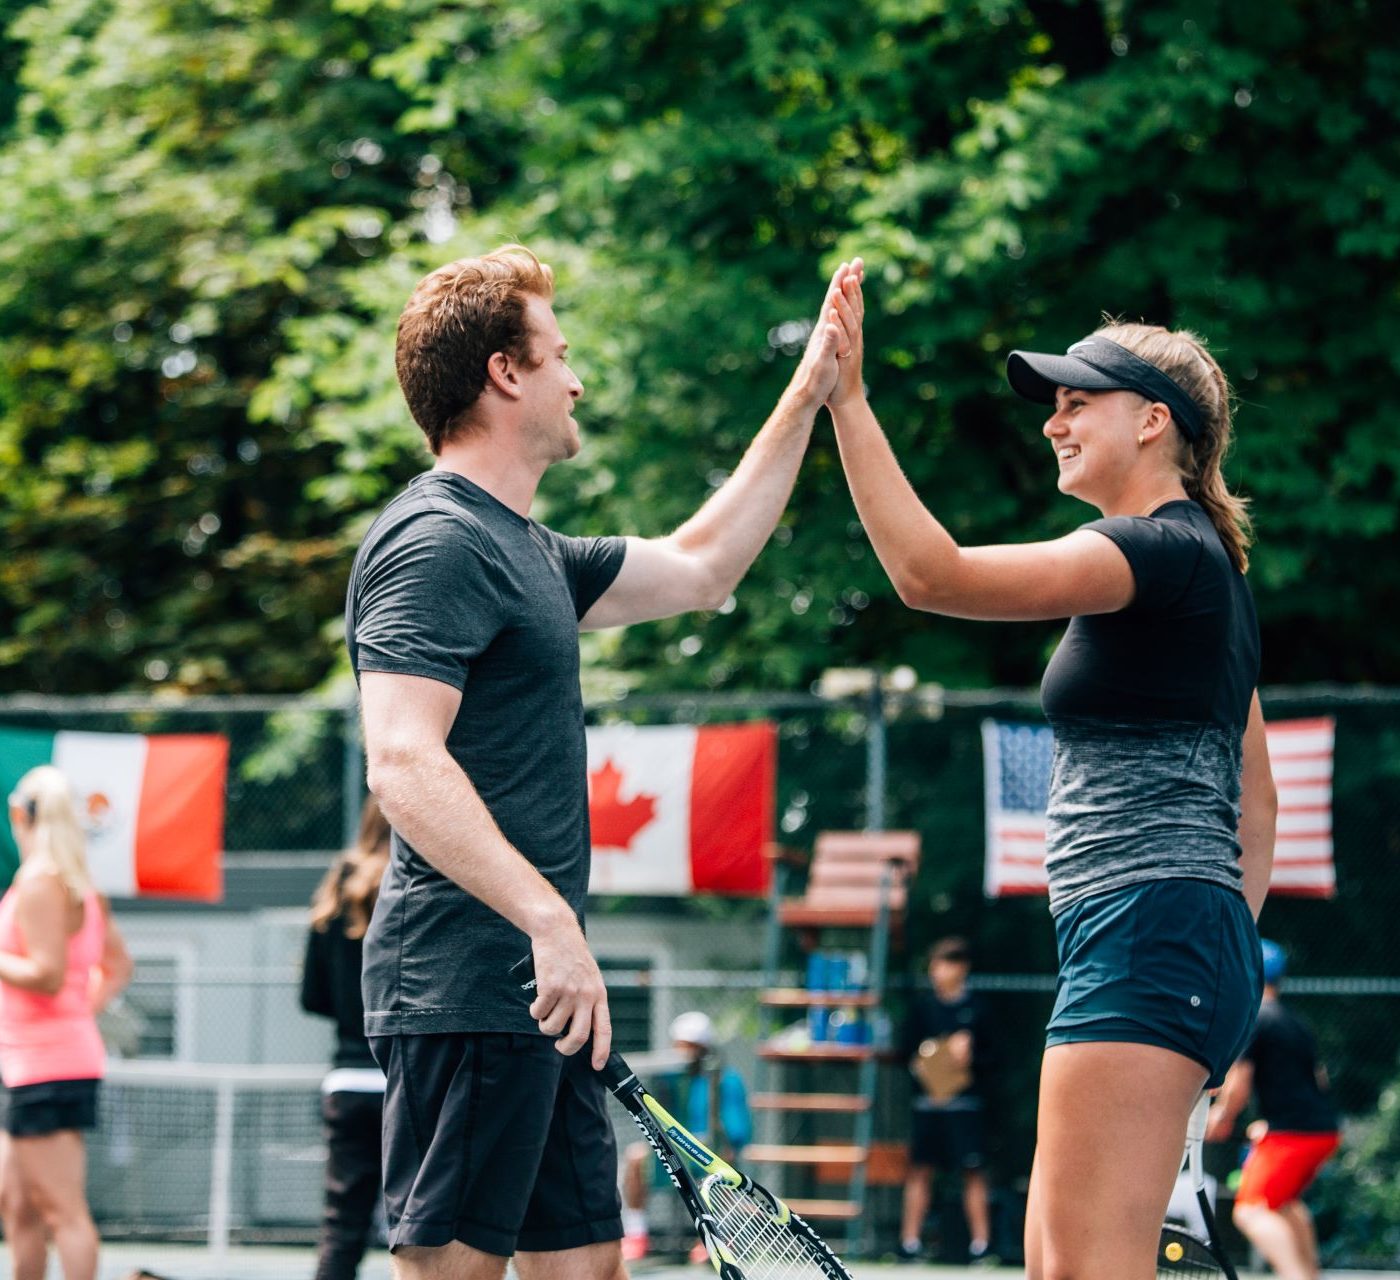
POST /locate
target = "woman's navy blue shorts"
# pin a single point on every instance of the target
(1174, 963)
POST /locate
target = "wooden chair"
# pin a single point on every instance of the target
(844, 882)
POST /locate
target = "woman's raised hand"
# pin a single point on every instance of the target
(847, 308)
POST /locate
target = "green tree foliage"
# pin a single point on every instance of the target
(1357, 1197)
(272, 180)
(182, 179)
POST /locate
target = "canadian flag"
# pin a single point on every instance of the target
(680, 809)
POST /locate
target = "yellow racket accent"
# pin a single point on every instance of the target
(690, 1146)
(1174, 1252)
(741, 1211)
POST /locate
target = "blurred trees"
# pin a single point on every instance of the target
(177, 186)
(1357, 1196)
(213, 214)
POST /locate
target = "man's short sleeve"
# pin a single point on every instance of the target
(1259, 1040)
(592, 565)
(1163, 555)
(424, 600)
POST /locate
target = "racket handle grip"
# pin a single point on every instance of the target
(522, 975)
(616, 1074)
(1196, 1125)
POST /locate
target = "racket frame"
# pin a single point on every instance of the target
(664, 1134)
(1195, 1147)
(1204, 1261)
(674, 1144)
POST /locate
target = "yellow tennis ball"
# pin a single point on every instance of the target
(1174, 1252)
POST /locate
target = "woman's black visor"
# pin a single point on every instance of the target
(1100, 364)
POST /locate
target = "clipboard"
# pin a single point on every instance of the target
(940, 1075)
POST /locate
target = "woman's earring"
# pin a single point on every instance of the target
(1142, 440)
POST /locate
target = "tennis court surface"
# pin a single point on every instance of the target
(119, 1261)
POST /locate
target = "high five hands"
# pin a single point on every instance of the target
(833, 355)
(847, 304)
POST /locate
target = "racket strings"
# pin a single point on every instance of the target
(763, 1249)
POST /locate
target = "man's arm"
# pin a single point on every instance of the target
(1258, 811)
(431, 802)
(1232, 1099)
(698, 565)
(911, 1032)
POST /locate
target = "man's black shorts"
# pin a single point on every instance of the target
(496, 1140)
(948, 1139)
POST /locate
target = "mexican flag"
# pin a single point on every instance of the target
(153, 807)
(680, 809)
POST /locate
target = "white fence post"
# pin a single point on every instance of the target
(221, 1170)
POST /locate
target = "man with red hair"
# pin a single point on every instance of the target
(462, 621)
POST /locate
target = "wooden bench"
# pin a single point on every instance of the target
(844, 882)
(886, 1165)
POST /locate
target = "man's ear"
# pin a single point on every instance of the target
(501, 375)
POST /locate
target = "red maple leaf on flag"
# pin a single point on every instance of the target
(615, 823)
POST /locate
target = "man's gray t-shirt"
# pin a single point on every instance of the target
(453, 585)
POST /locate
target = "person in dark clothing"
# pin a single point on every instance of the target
(948, 1124)
(462, 623)
(1159, 826)
(352, 1094)
(1295, 1135)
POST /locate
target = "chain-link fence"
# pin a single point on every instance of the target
(219, 985)
(157, 1160)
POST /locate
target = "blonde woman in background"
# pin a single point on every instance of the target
(61, 961)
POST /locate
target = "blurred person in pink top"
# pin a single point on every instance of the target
(61, 961)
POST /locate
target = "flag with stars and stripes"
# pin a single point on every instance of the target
(1017, 760)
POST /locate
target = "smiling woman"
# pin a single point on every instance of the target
(1160, 824)
(1140, 366)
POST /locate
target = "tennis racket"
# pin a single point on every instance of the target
(1181, 1255)
(748, 1232)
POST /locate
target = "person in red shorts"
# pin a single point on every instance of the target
(1294, 1137)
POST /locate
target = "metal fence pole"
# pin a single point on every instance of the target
(353, 775)
(221, 1172)
(875, 756)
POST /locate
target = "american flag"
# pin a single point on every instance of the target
(1300, 752)
(1017, 759)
